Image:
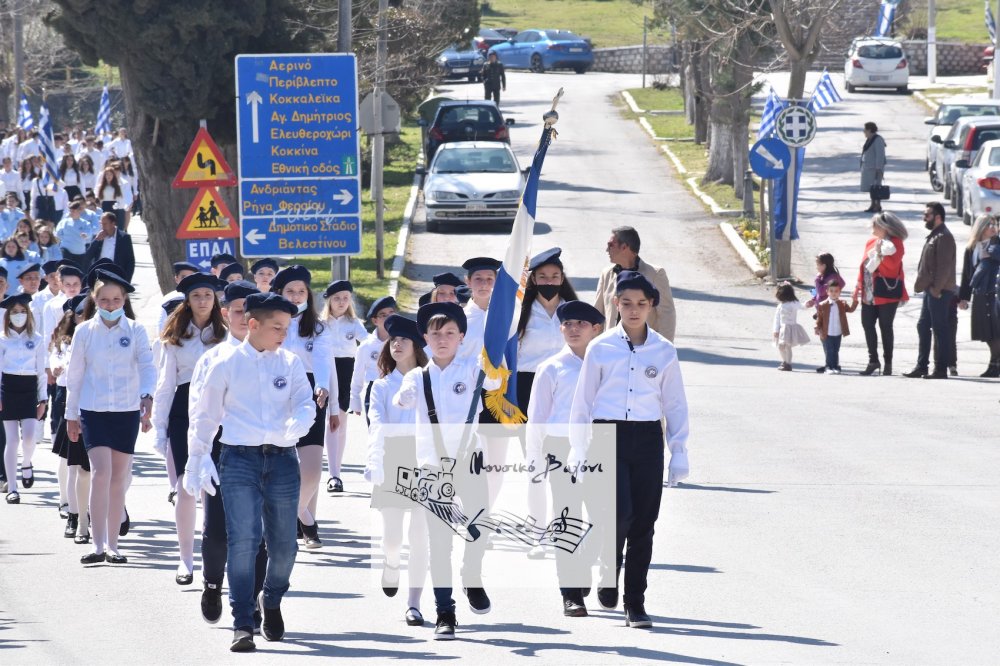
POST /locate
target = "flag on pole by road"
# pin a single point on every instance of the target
(48, 146)
(24, 119)
(886, 13)
(500, 333)
(991, 24)
(785, 207)
(104, 115)
(825, 93)
(772, 107)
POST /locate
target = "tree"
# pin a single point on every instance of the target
(802, 26)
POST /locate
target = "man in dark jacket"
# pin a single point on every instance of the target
(114, 244)
(494, 78)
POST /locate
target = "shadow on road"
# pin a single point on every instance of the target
(689, 355)
(692, 295)
(724, 489)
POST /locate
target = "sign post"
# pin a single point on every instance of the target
(770, 159)
(795, 127)
(300, 182)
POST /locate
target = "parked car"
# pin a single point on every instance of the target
(987, 57)
(876, 62)
(488, 37)
(461, 63)
(962, 142)
(540, 50)
(950, 110)
(478, 120)
(472, 182)
(981, 182)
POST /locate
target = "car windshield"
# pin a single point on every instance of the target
(490, 34)
(994, 158)
(475, 160)
(880, 51)
(480, 118)
(948, 114)
(562, 36)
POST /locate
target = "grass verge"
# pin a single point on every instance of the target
(605, 22)
(957, 20)
(749, 231)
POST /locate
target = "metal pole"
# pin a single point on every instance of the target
(931, 41)
(786, 233)
(643, 51)
(18, 55)
(770, 231)
(340, 266)
(748, 194)
(378, 147)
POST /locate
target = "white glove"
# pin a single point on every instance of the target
(160, 445)
(678, 468)
(374, 474)
(200, 475)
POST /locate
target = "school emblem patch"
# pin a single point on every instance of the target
(124, 342)
(374, 355)
(30, 344)
(280, 382)
(459, 388)
(309, 346)
(349, 336)
(651, 372)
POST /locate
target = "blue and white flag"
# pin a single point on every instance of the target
(103, 126)
(500, 333)
(772, 107)
(48, 146)
(991, 24)
(24, 119)
(886, 13)
(825, 93)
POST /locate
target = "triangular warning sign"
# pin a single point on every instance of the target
(208, 217)
(204, 165)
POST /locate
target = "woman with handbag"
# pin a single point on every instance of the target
(979, 285)
(873, 168)
(881, 288)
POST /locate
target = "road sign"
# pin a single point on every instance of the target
(769, 158)
(200, 252)
(204, 165)
(208, 217)
(297, 129)
(391, 117)
(795, 126)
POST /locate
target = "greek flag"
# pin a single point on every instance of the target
(24, 119)
(886, 13)
(104, 115)
(825, 93)
(51, 173)
(991, 24)
(772, 107)
(500, 333)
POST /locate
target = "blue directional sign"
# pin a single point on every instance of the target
(297, 129)
(770, 158)
(199, 252)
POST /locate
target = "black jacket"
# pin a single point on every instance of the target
(124, 255)
(493, 75)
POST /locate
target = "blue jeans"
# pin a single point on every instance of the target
(260, 492)
(934, 320)
(831, 349)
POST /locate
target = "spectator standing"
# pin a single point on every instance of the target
(872, 165)
(881, 288)
(494, 77)
(980, 266)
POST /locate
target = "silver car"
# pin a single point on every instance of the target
(950, 110)
(960, 143)
(981, 182)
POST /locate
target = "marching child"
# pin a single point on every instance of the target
(788, 333)
(366, 362)
(831, 325)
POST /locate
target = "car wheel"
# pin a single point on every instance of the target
(904, 90)
(580, 70)
(433, 226)
(947, 189)
(959, 203)
(936, 183)
(536, 64)
(967, 217)
(850, 88)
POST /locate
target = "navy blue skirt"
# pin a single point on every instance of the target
(116, 430)
(316, 433)
(345, 370)
(177, 427)
(19, 395)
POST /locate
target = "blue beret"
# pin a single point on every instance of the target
(198, 280)
(463, 294)
(222, 259)
(424, 299)
(231, 269)
(449, 279)
(172, 304)
(75, 304)
(3, 271)
(290, 274)
(636, 280)
(106, 275)
(398, 326)
(266, 262)
(481, 264)
(381, 304)
(270, 301)
(68, 270)
(16, 299)
(33, 268)
(238, 289)
(580, 311)
(53, 266)
(106, 264)
(185, 266)
(338, 286)
(453, 311)
(550, 256)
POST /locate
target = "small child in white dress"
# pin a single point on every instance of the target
(788, 332)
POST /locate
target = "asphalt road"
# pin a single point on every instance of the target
(827, 519)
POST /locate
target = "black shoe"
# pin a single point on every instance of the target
(390, 580)
(92, 558)
(71, 524)
(81, 539)
(64, 511)
(414, 618)
(334, 485)
(111, 558)
(184, 579)
(953, 370)
(273, 626)
(870, 210)
(444, 628)
(574, 607)
(242, 640)
(28, 481)
(258, 620)
(172, 498)
(821, 370)
(211, 603)
(125, 526)
(635, 616)
(916, 372)
(479, 601)
(607, 597)
(887, 368)
(992, 372)
(937, 374)
(310, 533)
(13, 497)
(873, 368)
(299, 535)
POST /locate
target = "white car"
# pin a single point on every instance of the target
(951, 110)
(981, 183)
(876, 62)
(472, 182)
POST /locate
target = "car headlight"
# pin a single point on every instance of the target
(479, 59)
(507, 194)
(442, 60)
(444, 196)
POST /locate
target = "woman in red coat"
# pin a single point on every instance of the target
(881, 287)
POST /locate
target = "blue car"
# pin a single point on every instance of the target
(464, 64)
(539, 50)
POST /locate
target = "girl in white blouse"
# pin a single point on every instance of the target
(23, 392)
(192, 329)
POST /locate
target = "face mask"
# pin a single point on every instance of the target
(19, 319)
(548, 291)
(302, 307)
(114, 315)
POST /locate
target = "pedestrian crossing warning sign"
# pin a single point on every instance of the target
(208, 217)
(204, 165)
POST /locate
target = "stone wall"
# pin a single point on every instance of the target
(952, 58)
(628, 59)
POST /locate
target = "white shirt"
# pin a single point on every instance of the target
(454, 390)
(786, 314)
(643, 383)
(365, 369)
(177, 364)
(88, 181)
(345, 334)
(833, 326)
(59, 359)
(316, 355)
(60, 200)
(383, 412)
(52, 312)
(257, 397)
(120, 147)
(552, 396)
(472, 343)
(23, 354)
(27, 149)
(542, 338)
(204, 363)
(11, 181)
(110, 368)
(108, 247)
(107, 193)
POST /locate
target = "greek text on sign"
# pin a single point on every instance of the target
(204, 165)
(201, 251)
(796, 126)
(297, 118)
(208, 217)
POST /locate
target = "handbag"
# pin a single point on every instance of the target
(885, 288)
(880, 192)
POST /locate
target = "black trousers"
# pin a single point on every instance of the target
(883, 315)
(934, 321)
(492, 93)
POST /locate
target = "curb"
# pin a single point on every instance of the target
(710, 202)
(748, 257)
(923, 99)
(631, 102)
(681, 169)
(399, 259)
(649, 129)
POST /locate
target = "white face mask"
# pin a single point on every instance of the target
(19, 319)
